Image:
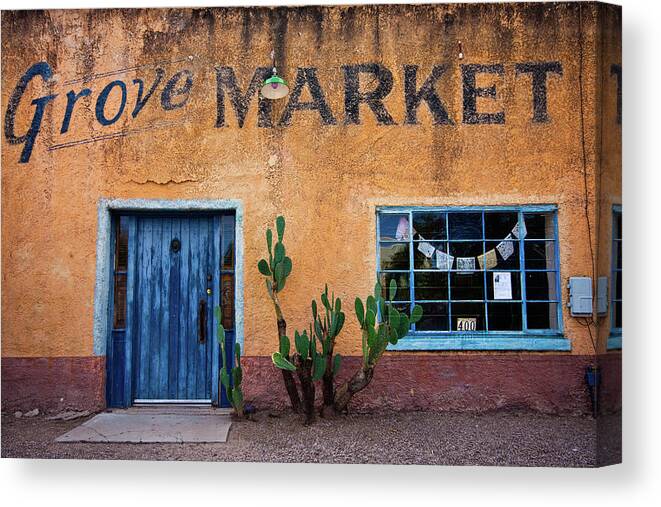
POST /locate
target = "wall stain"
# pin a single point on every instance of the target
(334, 174)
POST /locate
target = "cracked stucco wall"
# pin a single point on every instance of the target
(327, 180)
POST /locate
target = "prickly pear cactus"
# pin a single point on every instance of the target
(382, 323)
(231, 376)
(278, 266)
(275, 270)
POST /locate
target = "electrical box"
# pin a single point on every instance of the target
(580, 296)
(602, 295)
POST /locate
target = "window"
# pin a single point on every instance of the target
(487, 272)
(227, 271)
(616, 279)
(120, 273)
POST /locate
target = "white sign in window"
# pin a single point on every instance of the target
(502, 285)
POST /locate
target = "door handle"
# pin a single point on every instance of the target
(202, 329)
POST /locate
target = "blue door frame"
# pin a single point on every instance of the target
(123, 349)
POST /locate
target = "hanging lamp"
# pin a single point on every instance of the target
(274, 87)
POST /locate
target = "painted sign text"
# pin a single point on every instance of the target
(366, 88)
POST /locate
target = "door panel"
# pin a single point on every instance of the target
(172, 363)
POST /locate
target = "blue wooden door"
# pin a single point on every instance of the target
(173, 308)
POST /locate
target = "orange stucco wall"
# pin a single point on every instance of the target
(327, 180)
(609, 172)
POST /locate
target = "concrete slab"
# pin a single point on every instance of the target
(151, 427)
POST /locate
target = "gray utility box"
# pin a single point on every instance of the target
(580, 296)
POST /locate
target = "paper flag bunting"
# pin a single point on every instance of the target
(465, 263)
(488, 260)
(506, 248)
(443, 260)
(427, 249)
(524, 231)
(402, 232)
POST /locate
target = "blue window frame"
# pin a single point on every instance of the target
(615, 338)
(481, 285)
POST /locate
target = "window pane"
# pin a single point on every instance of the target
(515, 282)
(402, 281)
(465, 225)
(466, 249)
(121, 265)
(431, 285)
(119, 302)
(540, 254)
(122, 244)
(430, 225)
(618, 284)
(539, 225)
(618, 225)
(389, 224)
(421, 259)
(403, 307)
(463, 311)
(617, 310)
(465, 286)
(505, 317)
(499, 225)
(509, 249)
(228, 255)
(541, 285)
(227, 300)
(227, 237)
(394, 256)
(434, 317)
(618, 254)
(542, 315)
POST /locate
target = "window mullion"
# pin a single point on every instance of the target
(522, 276)
(616, 252)
(379, 271)
(378, 246)
(484, 273)
(558, 285)
(448, 271)
(411, 267)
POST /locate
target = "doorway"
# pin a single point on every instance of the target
(169, 274)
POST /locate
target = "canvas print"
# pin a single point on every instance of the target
(380, 234)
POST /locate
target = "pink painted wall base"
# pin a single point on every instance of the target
(52, 384)
(552, 384)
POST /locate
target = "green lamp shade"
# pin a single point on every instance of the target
(274, 88)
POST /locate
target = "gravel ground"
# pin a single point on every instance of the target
(514, 439)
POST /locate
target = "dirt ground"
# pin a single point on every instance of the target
(514, 439)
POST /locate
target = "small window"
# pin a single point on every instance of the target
(227, 237)
(227, 271)
(489, 271)
(120, 273)
(616, 273)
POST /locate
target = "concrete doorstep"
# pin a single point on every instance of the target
(153, 425)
